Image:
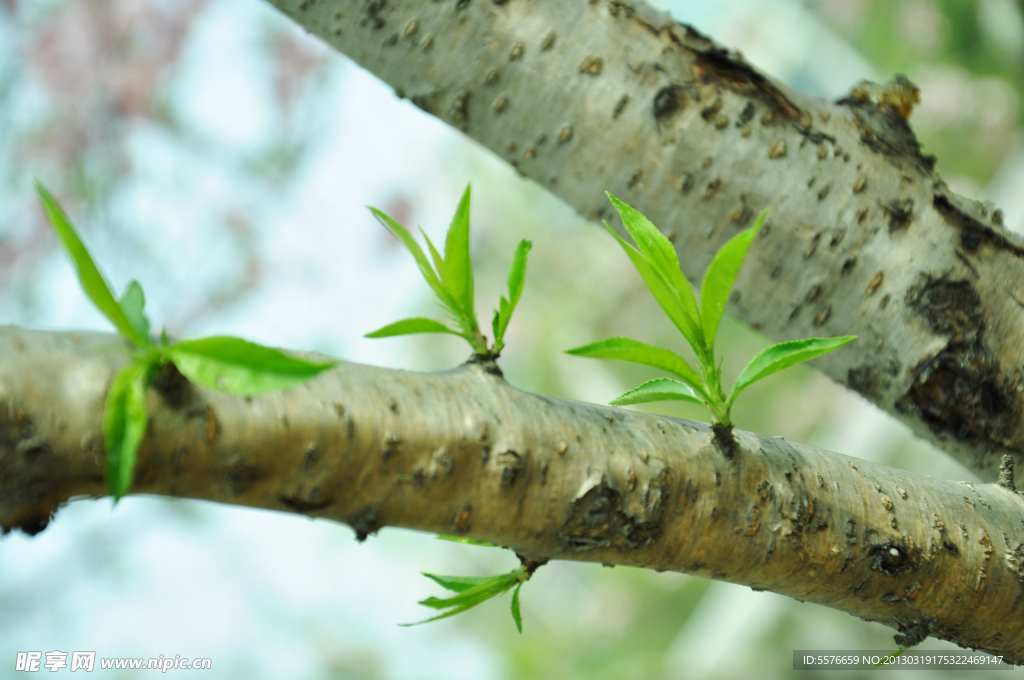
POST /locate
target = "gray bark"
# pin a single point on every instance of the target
(464, 452)
(863, 237)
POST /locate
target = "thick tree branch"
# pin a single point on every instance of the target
(464, 452)
(863, 238)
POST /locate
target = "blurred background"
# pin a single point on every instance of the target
(223, 157)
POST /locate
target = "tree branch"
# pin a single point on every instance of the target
(863, 237)
(463, 452)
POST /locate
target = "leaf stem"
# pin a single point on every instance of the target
(711, 374)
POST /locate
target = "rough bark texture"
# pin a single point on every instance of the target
(863, 237)
(464, 452)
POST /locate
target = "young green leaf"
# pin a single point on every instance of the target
(472, 591)
(452, 282)
(680, 306)
(476, 594)
(659, 389)
(721, 277)
(458, 275)
(467, 599)
(516, 615)
(517, 271)
(661, 255)
(447, 614)
(89, 277)
(417, 324)
(463, 539)
(234, 365)
(133, 302)
(496, 322)
(434, 255)
(124, 425)
(653, 245)
(429, 275)
(782, 356)
(626, 349)
(516, 278)
(458, 584)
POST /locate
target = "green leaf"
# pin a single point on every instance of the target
(470, 541)
(655, 247)
(721, 277)
(517, 272)
(659, 389)
(453, 612)
(458, 584)
(417, 324)
(89, 276)
(476, 594)
(124, 425)
(133, 302)
(496, 322)
(659, 252)
(472, 590)
(458, 274)
(429, 275)
(516, 616)
(434, 255)
(627, 349)
(680, 306)
(238, 366)
(782, 356)
(516, 279)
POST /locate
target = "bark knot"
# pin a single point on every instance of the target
(891, 558)
(959, 391)
(598, 519)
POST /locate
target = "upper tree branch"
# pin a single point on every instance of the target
(863, 237)
(463, 452)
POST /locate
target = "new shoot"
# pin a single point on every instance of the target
(221, 362)
(451, 279)
(656, 261)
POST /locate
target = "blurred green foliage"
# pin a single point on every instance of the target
(968, 58)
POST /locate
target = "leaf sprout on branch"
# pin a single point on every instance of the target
(222, 363)
(474, 590)
(657, 263)
(451, 279)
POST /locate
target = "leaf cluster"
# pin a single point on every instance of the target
(474, 590)
(222, 363)
(451, 279)
(657, 263)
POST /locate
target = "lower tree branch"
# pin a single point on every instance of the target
(463, 452)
